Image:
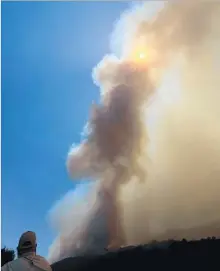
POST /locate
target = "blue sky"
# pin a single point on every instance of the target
(48, 52)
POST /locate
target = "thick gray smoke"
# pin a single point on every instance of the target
(156, 131)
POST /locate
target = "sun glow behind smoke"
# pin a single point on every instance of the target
(142, 55)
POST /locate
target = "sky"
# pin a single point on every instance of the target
(48, 52)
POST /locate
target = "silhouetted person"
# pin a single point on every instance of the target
(7, 255)
(27, 257)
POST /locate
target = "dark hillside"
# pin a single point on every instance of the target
(170, 254)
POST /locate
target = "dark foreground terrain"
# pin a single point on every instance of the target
(175, 255)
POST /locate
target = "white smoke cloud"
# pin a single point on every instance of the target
(156, 130)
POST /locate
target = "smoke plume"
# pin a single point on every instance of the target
(156, 130)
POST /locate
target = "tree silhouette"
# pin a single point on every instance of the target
(7, 255)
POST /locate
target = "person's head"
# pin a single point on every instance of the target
(27, 243)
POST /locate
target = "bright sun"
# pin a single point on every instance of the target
(142, 55)
(145, 56)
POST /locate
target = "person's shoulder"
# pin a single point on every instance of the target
(42, 262)
(9, 266)
(40, 257)
(5, 267)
